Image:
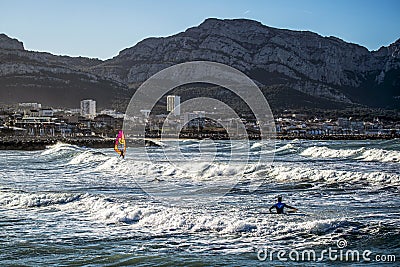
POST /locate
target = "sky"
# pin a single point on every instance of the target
(100, 29)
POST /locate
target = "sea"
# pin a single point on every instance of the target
(77, 206)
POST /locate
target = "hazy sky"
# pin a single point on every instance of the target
(100, 29)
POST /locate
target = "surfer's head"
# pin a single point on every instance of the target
(279, 198)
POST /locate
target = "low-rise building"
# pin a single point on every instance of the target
(46, 112)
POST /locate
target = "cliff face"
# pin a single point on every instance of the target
(322, 67)
(286, 64)
(9, 43)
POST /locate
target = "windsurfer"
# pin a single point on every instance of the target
(120, 144)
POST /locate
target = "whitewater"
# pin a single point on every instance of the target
(74, 206)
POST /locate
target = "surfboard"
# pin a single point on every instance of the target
(120, 144)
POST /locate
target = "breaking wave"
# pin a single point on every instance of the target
(364, 154)
(293, 174)
(8, 199)
(154, 219)
(60, 148)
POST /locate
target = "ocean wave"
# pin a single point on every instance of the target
(380, 155)
(108, 164)
(364, 154)
(60, 148)
(325, 152)
(221, 171)
(73, 155)
(285, 147)
(145, 217)
(257, 145)
(152, 219)
(161, 219)
(290, 174)
(266, 149)
(36, 200)
(158, 142)
(157, 219)
(88, 156)
(194, 170)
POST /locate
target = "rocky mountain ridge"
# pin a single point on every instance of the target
(282, 62)
(319, 66)
(10, 43)
(61, 81)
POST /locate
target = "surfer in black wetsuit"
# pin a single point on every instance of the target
(280, 206)
(122, 154)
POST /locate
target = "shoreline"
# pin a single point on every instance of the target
(41, 143)
(32, 144)
(339, 137)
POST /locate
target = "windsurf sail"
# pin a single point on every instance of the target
(120, 144)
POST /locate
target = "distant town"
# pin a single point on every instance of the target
(32, 120)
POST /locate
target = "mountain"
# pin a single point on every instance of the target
(58, 81)
(292, 68)
(321, 67)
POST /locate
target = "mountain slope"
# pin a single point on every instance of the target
(322, 67)
(59, 81)
(292, 68)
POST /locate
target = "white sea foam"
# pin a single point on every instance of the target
(159, 143)
(288, 174)
(157, 218)
(364, 154)
(285, 147)
(36, 200)
(288, 146)
(87, 157)
(110, 211)
(151, 219)
(144, 217)
(325, 152)
(380, 155)
(60, 148)
(160, 219)
(257, 145)
(198, 171)
(108, 164)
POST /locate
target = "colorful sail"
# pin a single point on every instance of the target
(120, 144)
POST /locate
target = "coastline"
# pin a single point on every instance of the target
(41, 143)
(338, 137)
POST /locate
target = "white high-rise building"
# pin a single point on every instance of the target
(173, 104)
(88, 108)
